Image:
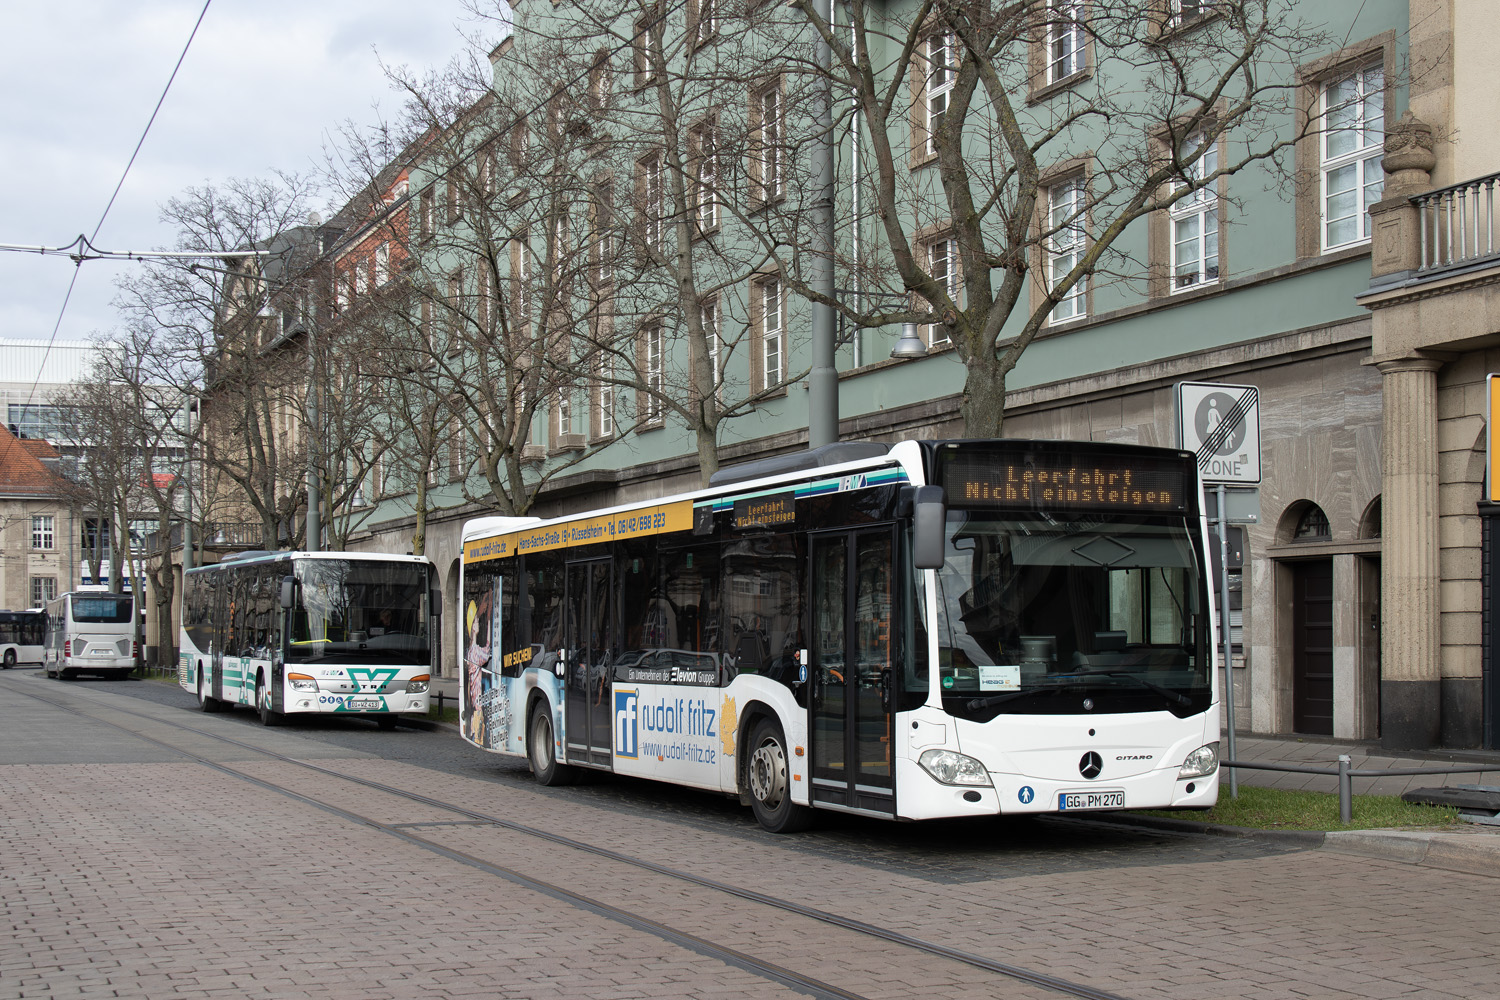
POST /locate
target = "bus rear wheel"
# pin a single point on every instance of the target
(268, 715)
(541, 752)
(770, 782)
(10, 658)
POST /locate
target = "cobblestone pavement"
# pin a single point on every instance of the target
(132, 871)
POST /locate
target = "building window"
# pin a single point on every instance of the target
(641, 44)
(424, 213)
(703, 150)
(43, 589)
(1065, 245)
(1312, 526)
(604, 398)
(703, 21)
(942, 70)
(651, 200)
(604, 244)
(42, 536)
(771, 351)
(455, 199)
(520, 274)
(654, 358)
(601, 80)
(709, 316)
(769, 125)
(382, 264)
(943, 265)
(1353, 108)
(1195, 222)
(1184, 12)
(1065, 39)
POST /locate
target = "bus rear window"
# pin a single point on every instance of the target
(102, 610)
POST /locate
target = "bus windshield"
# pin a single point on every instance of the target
(103, 609)
(359, 612)
(1075, 613)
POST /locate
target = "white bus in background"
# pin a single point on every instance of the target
(23, 637)
(90, 632)
(310, 632)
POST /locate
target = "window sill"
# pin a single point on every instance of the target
(1058, 86)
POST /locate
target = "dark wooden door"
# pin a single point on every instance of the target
(1312, 647)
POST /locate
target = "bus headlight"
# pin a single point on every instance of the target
(418, 684)
(1204, 760)
(953, 768)
(302, 682)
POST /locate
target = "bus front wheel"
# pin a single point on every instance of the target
(540, 750)
(770, 782)
(10, 658)
(206, 701)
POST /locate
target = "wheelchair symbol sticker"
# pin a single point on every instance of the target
(1026, 794)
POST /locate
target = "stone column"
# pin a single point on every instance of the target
(1410, 664)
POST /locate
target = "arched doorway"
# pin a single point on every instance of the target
(1312, 629)
(447, 655)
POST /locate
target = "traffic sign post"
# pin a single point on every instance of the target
(1221, 425)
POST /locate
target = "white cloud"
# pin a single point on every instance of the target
(260, 89)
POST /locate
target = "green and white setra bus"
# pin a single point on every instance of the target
(911, 631)
(310, 632)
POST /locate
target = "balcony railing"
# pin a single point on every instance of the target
(219, 535)
(1457, 225)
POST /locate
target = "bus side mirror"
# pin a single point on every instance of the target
(929, 516)
(288, 592)
(435, 602)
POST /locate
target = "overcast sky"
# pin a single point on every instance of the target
(262, 87)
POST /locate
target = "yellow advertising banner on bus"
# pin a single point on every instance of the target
(639, 523)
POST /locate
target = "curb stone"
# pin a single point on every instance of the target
(1475, 853)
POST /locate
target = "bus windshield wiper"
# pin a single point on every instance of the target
(1176, 697)
(974, 704)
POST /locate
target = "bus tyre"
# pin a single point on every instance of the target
(268, 715)
(206, 701)
(540, 750)
(10, 658)
(771, 784)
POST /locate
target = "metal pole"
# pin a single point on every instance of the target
(1346, 791)
(314, 498)
(823, 379)
(187, 484)
(1234, 785)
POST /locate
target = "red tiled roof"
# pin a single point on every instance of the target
(38, 447)
(21, 472)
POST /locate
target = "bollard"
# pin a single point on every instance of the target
(1346, 791)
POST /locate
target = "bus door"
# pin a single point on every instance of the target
(851, 669)
(588, 644)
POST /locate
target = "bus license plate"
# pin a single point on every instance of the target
(364, 703)
(103, 652)
(1074, 801)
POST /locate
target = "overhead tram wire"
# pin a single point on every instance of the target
(78, 262)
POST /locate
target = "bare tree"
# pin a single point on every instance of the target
(224, 317)
(1009, 146)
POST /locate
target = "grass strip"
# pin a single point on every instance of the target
(1287, 809)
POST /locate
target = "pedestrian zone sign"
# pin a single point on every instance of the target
(1221, 424)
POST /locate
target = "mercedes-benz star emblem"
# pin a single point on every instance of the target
(1090, 765)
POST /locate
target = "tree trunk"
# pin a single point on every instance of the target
(708, 453)
(983, 405)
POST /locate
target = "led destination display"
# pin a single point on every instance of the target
(1105, 482)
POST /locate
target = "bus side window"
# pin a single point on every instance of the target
(763, 601)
